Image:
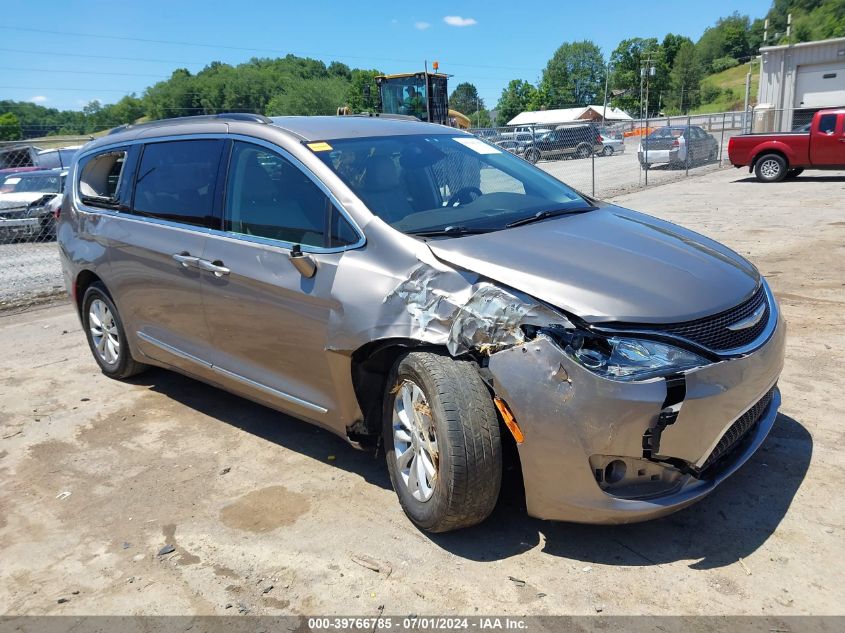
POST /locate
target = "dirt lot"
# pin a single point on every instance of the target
(267, 514)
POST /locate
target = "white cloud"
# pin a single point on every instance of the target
(38, 99)
(456, 20)
(421, 26)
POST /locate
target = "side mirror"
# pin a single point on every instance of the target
(303, 262)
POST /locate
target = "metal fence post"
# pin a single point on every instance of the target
(643, 141)
(722, 141)
(593, 167)
(689, 136)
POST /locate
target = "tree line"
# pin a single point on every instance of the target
(576, 75)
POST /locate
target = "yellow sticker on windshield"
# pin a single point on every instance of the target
(319, 147)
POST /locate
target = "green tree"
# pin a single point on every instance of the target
(465, 99)
(670, 46)
(10, 127)
(362, 95)
(686, 80)
(631, 58)
(515, 98)
(574, 75)
(309, 97)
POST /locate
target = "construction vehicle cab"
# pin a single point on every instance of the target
(422, 95)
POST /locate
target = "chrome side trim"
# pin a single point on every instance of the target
(172, 350)
(230, 374)
(270, 390)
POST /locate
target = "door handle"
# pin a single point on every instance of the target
(186, 259)
(215, 267)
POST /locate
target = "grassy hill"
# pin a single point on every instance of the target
(725, 91)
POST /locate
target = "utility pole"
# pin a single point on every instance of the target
(606, 79)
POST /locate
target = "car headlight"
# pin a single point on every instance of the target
(628, 359)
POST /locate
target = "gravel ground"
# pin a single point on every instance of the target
(167, 496)
(31, 273)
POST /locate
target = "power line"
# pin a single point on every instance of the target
(244, 48)
(77, 72)
(110, 57)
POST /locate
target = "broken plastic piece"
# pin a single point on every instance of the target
(510, 421)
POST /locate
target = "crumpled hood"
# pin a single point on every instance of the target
(611, 264)
(21, 199)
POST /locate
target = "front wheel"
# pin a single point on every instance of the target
(442, 443)
(607, 151)
(532, 156)
(770, 168)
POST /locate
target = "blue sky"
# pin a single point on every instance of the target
(487, 43)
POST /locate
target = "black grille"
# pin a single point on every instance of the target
(712, 332)
(738, 430)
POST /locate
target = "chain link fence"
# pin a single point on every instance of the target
(33, 175)
(607, 159)
(602, 160)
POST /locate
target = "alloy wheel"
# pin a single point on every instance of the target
(770, 169)
(104, 332)
(415, 441)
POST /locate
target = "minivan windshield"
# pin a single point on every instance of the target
(445, 184)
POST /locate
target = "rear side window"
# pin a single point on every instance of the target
(827, 123)
(268, 196)
(99, 178)
(176, 181)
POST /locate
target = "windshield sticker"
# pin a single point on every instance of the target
(319, 147)
(477, 145)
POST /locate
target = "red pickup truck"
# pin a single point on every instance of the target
(774, 157)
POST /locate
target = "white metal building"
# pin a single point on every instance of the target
(564, 115)
(802, 78)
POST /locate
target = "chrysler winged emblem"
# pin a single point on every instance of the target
(749, 321)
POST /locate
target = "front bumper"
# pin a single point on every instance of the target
(575, 423)
(18, 227)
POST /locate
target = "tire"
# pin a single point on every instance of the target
(794, 172)
(607, 151)
(451, 407)
(770, 168)
(583, 151)
(532, 156)
(110, 349)
(690, 158)
(645, 165)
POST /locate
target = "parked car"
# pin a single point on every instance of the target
(611, 145)
(773, 157)
(56, 158)
(411, 286)
(31, 157)
(532, 131)
(677, 145)
(565, 141)
(29, 204)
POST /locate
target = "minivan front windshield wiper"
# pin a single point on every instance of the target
(449, 231)
(545, 215)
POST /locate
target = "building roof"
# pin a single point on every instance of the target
(835, 40)
(567, 114)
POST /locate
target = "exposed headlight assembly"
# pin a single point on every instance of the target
(628, 359)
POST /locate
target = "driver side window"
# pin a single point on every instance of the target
(268, 196)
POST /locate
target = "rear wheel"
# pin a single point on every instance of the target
(607, 151)
(442, 444)
(770, 168)
(532, 155)
(583, 151)
(106, 336)
(794, 172)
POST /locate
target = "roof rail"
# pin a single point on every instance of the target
(382, 115)
(223, 116)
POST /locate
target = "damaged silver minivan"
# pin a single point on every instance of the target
(412, 286)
